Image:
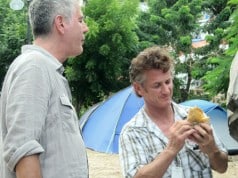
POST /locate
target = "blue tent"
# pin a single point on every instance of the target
(102, 123)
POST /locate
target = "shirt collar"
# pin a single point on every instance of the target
(180, 112)
(54, 61)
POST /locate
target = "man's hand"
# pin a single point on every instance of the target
(205, 139)
(178, 133)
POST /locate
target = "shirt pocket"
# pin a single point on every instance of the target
(67, 114)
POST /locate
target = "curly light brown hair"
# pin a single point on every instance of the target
(151, 58)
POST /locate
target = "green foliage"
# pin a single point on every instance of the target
(12, 35)
(216, 80)
(200, 67)
(231, 33)
(224, 30)
(215, 7)
(118, 31)
(110, 45)
(220, 14)
(171, 23)
(184, 44)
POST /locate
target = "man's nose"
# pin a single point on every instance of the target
(86, 29)
(165, 88)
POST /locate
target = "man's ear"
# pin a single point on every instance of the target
(59, 23)
(138, 88)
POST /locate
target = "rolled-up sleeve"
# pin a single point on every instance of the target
(26, 111)
(30, 148)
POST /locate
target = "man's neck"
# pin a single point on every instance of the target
(162, 117)
(52, 47)
(159, 113)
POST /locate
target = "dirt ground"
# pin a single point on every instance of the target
(103, 165)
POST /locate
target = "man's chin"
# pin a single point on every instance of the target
(165, 103)
(167, 100)
(76, 54)
(79, 52)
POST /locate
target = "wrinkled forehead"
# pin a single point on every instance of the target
(79, 11)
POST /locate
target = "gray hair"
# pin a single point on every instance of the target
(43, 12)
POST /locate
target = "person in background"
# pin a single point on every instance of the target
(158, 141)
(39, 125)
(232, 99)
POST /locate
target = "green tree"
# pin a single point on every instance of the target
(231, 32)
(110, 44)
(12, 35)
(171, 24)
(216, 59)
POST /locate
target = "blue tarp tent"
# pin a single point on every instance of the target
(101, 124)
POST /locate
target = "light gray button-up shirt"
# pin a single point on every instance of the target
(37, 117)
